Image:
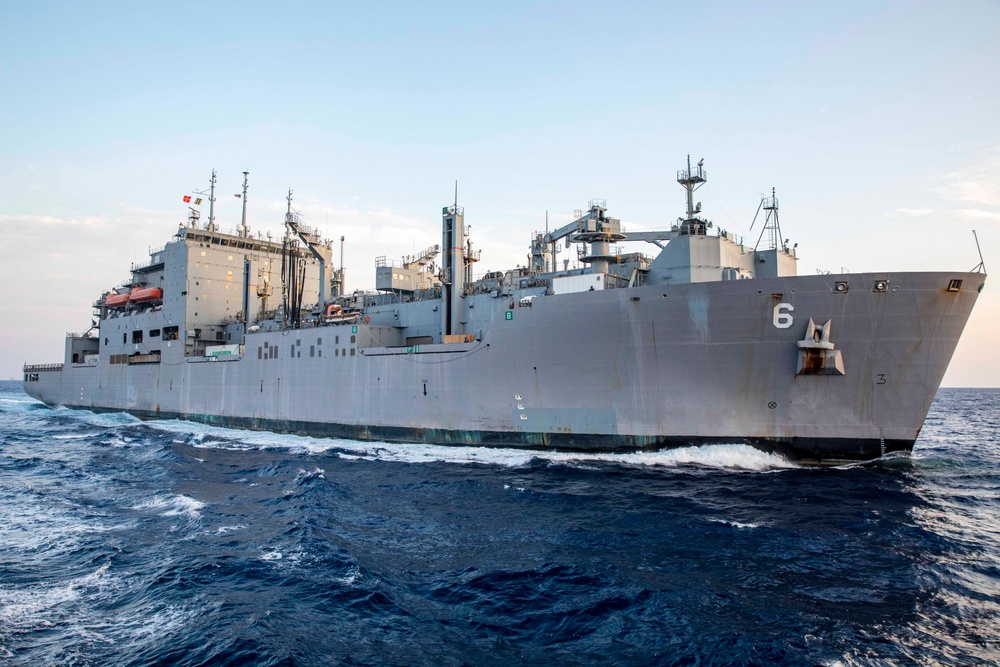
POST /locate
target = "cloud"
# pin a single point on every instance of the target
(977, 182)
(27, 221)
(950, 215)
(976, 215)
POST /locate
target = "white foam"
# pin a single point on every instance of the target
(318, 473)
(217, 437)
(26, 400)
(18, 604)
(20, 403)
(223, 530)
(727, 456)
(79, 607)
(28, 525)
(352, 577)
(735, 524)
(173, 505)
(102, 419)
(735, 457)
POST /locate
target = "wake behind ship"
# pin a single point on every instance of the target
(709, 341)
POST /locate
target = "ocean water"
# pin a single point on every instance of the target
(170, 543)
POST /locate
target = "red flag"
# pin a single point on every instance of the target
(187, 199)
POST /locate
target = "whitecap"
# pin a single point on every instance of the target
(223, 530)
(173, 505)
(318, 473)
(352, 576)
(736, 524)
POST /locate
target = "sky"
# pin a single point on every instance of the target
(876, 122)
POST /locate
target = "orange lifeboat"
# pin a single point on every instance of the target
(333, 309)
(115, 300)
(145, 294)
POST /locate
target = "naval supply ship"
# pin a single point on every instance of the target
(708, 340)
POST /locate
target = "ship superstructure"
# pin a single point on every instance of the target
(711, 340)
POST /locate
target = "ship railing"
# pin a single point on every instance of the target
(40, 368)
(696, 174)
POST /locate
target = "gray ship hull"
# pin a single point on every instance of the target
(643, 367)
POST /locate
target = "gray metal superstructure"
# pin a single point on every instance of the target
(711, 341)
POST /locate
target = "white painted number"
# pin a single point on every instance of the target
(782, 319)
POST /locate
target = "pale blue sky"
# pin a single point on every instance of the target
(877, 122)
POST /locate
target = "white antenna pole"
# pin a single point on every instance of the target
(981, 267)
(211, 201)
(246, 233)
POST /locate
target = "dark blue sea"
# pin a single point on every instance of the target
(125, 542)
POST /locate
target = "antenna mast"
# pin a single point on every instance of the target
(771, 226)
(981, 267)
(692, 179)
(340, 275)
(211, 202)
(243, 224)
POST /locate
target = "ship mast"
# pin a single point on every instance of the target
(453, 269)
(692, 179)
(244, 232)
(340, 273)
(771, 225)
(311, 240)
(210, 225)
(211, 201)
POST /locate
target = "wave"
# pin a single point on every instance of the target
(725, 456)
(172, 505)
(731, 457)
(75, 615)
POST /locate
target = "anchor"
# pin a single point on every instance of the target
(817, 355)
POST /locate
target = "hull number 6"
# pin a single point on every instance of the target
(783, 315)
